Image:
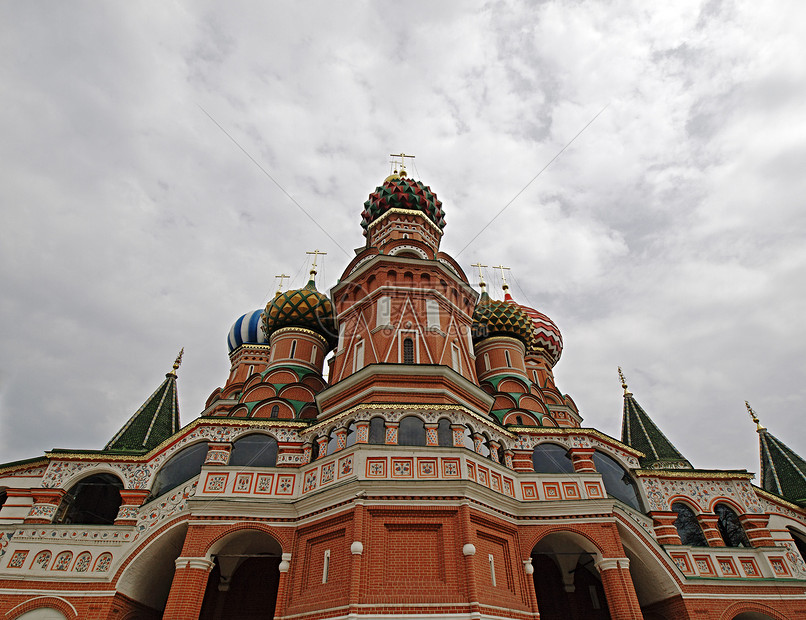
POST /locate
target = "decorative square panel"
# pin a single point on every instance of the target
(17, 559)
(346, 466)
(471, 470)
(594, 490)
(427, 468)
(402, 468)
(509, 487)
(484, 476)
(779, 567)
(309, 483)
(529, 490)
(727, 567)
(215, 483)
(704, 566)
(285, 485)
(570, 490)
(264, 483)
(681, 559)
(749, 567)
(243, 483)
(450, 468)
(551, 490)
(495, 481)
(328, 473)
(376, 468)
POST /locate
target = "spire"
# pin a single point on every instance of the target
(640, 432)
(783, 472)
(155, 421)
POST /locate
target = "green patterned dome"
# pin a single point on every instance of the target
(401, 192)
(305, 307)
(501, 318)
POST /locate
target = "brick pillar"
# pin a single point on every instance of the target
(619, 590)
(46, 503)
(469, 551)
(356, 558)
(582, 458)
(478, 442)
(708, 523)
(282, 586)
(665, 531)
(391, 433)
(458, 432)
(494, 446)
(218, 453)
(341, 438)
(431, 435)
(508, 458)
(362, 431)
(531, 594)
(522, 460)
(755, 526)
(187, 589)
(132, 500)
(322, 441)
(290, 455)
(307, 451)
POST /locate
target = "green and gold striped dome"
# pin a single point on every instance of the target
(306, 308)
(500, 318)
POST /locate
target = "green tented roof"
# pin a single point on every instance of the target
(783, 472)
(640, 432)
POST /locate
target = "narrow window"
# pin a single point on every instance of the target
(251, 370)
(358, 357)
(377, 431)
(534, 374)
(384, 311)
(492, 568)
(509, 361)
(326, 566)
(687, 526)
(313, 355)
(730, 527)
(486, 361)
(456, 358)
(342, 330)
(432, 313)
(275, 411)
(519, 420)
(408, 351)
(293, 348)
(444, 433)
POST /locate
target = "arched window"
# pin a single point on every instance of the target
(687, 527)
(314, 450)
(254, 450)
(550, 458)
(275, 411)
(377, 431)
(3, 498)
(800, 541)
(411, 432)
(332, 442)
(179, 469)
(467, 439)
(484, 449)
(351, 434)
(94, 500)
(408, 351)
(444, 433)
(729, 527)
(617, 480)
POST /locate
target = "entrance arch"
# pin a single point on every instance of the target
(567, 582)
(245, 577)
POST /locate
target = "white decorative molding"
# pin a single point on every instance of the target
(285, 563)
(197, 563)
(611, 563)
(528, 568)
(469, 549)
(357, 548)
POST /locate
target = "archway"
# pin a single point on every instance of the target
(94, 500)
(245, 577)
(567, 583)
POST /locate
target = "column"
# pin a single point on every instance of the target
(46, 503)
(494, 447)
(529, 571)
(341, 438)
(218, 453)
(187, 589)
(508, 462)
(322, 441)
(755, 526)
(130, 506)
(522, 460)
(458, 432)
(391, 433)
(478, 442)
(307, 450)
(665, 530)
(619, 590)
(708, 523)
(362, 431)
(356, 557)
(582, 458)
(469, 551)
(282, 586)
(431, 434)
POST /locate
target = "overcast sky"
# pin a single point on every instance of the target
(668, 238)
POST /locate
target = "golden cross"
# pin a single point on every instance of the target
(481, 275)
(316, 254)
(177, 362)
(623, 380)
(503, 277)
(281, 277)
(754, 417)
(402, 157)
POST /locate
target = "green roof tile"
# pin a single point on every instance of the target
(640, 432)
(783, 472)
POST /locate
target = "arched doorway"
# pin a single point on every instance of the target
(567, 582)
(244, 580)
(752, 615)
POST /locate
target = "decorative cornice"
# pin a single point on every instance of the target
(571, 430)
(778, 499)
(696, 474)
(26, 464)
(417, 212)
(298, 330)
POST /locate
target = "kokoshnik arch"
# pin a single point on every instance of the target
(435, 470)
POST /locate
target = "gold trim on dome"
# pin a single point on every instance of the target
(304, 330)
(397, 211)
(693, 473)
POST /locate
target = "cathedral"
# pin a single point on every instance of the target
(397, 448)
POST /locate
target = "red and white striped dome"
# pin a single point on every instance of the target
(546, 334)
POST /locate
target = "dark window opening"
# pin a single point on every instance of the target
(179, 469)
(800, 542)
(519, 420)
(351, 434)
(377, 431)
(411, 432)
(314, 450)
(617, 480)
(730, 527)
(687, 526)
(275, 411)
(293, 348)
(254, 450)
(95, 500)
(3, 498)
(509, 361)
(332, 442)
(408, 351)
(550, 458)
(444, 433)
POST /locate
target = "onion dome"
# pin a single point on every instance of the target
(401, 192)
(501, 318)
(247, 330)
(305, 307)
(545, 334)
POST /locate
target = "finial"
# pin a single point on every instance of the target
(482, 284)
(754, 417)
(623, 382)
(401, 169)
(504, 284)
(316, 254)
(281, 277)
(177, 363)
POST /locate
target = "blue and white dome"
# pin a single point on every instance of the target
(247, 330)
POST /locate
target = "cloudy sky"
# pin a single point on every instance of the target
(668, 238)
